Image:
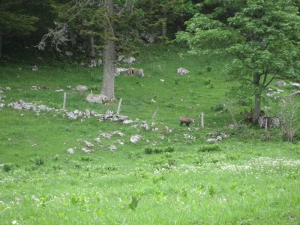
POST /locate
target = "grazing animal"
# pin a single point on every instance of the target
(136, 72)
(186, 120)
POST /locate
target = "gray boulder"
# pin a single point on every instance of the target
(97, 98)
(280, 83)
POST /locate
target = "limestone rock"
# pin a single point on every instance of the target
(97, 98)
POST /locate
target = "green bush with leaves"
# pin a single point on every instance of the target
(209, 148)
(157, 150)
(217, 107)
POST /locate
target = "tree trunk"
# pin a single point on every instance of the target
(108, 86)
(0, 44)
(164, 29)
(256, 110)
(92, 47)
(164, 26)
(73, 39)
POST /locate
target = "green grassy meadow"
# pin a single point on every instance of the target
(250, 177)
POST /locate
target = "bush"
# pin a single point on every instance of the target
(209, 148)
(169, 149)
(207, 81)
(7, 167)
(156, 150)
(208, 68)
(148, 150)
(217, 107)
(201, 72)
(37, 160)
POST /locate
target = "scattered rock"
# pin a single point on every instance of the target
(88, 144)
(97, 140)
(34, 68)
(86, 150)
(188, 136)
(98, 98)
(88, 113)
(295, 85)
(149, 38)
(213, 140)
(127, 121)
(119, 133)
(182, 71)
(118, 71)
(71, 115)
(68, 53)
(169, 129)
(120, 142)
(135, 138)
(145, 125)
(70, 150)
(127, 60)
(280, 83)
(81, 88)
(108, 136)
(269, 122)
(95, 63)
(112, 148)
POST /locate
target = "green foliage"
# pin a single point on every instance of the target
(134, 202)
(200, 72)
(207, 81)
(157, 150)
(208, 68)
(177, 81)
(37, 160)
(96, 78)
(209, 148)
(8, 167)
(263, 43)
(86, 159)
(217, 107)
(14, 19)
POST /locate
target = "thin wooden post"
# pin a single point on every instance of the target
(155, 113)
(65, 100)
(119, 106)
(202, 120)
(266, 125)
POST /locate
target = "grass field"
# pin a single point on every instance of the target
(171, 176)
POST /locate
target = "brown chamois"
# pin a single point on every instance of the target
(186, 120)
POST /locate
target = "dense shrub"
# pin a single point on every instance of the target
(156, 150)
(209, 148)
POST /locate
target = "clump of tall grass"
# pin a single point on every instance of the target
(157, 150)
(209, 148)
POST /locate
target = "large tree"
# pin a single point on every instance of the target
(263, 37)
(111, 23)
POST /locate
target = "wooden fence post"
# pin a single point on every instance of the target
(119, 106)
(65, 100)
(155, 113)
